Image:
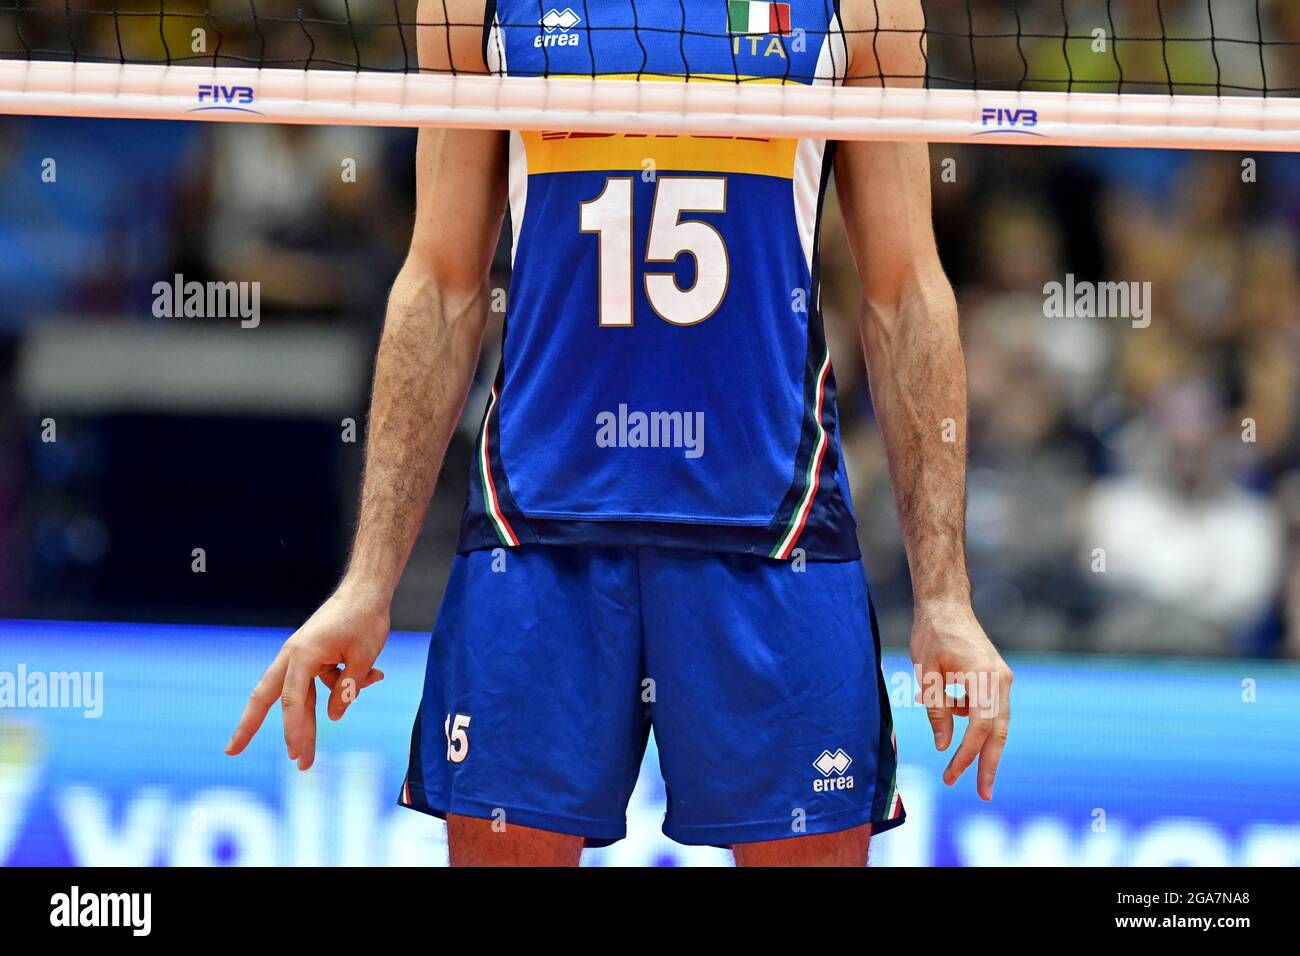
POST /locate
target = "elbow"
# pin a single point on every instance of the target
(449, 276)
(918, 306)
(433, 303)
(449, 288)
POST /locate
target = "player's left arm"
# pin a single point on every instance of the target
(908, 321)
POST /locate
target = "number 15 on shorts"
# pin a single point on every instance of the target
(453, 728)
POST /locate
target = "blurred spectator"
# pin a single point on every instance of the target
(309, 212)
(1057, 405)
(1187, 560)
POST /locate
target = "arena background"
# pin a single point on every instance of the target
(1134, 516)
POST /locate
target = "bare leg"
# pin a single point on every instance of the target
(845, 848)
(473, 842)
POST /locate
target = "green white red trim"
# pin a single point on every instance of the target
(492, 504)
(812, 477)
(758, 16)
(895, 801)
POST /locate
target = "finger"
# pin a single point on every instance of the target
(960, 706)
(978, 727)
(990, 757)
(259, 703)
(937, 705)
(977, 731)
(350, 683)
(991, 753)
(307, 756)
(293, 704)
(329, 675)
(941, 724)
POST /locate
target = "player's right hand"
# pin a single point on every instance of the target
(338, 644)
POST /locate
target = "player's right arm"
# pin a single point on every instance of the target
(433, 329)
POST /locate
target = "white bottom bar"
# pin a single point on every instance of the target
(712, 108)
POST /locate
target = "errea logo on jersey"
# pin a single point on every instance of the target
(832, 766)
(562, 21)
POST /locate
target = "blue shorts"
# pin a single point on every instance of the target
(549, 666)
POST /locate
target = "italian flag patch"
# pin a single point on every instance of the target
(756, 16)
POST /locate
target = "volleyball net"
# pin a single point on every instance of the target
(1176, 73)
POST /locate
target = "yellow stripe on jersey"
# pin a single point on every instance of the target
(561, 152)
(556, 152)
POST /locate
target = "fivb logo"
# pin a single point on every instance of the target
(832, 766)
(563, 21)
(1001, 119)
(236, 99)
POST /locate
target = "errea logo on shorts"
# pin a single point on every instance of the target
(832, 766)
(562, 21)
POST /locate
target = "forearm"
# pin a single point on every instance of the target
(918, 387)
(426, 360)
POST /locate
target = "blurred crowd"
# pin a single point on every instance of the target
(1232, 47)
(1229, 46)
(1132, 489)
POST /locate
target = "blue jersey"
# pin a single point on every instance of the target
(664, 378)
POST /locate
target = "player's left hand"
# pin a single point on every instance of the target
(949, 647)
(338, 645)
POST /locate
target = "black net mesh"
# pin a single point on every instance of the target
(1216, 47)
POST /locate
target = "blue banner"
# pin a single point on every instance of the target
(111, 740)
